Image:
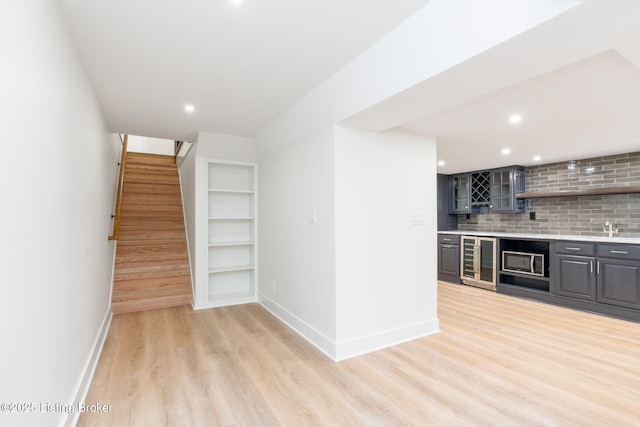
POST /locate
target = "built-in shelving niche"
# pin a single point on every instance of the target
(231, 207)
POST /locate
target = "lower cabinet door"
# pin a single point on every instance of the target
(449, 260)
(619, 283)
(575, 277)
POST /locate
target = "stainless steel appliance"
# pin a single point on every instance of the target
(478, 261)
(523, 262)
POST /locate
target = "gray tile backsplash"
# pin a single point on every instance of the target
(582, 216)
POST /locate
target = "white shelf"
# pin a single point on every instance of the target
(231, 268)
(231, 207)
(231, 283)
(230, 176)
(230, 219)
(222, 244)
(211, 190)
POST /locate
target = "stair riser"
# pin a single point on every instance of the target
(155, 285)
(121, 307)
(150, 159)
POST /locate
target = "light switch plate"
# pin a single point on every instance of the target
(417, 218)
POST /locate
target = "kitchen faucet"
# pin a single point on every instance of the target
(610, 228)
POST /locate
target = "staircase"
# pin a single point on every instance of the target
(152, 263)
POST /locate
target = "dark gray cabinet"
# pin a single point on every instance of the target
(573, 270)
(487, 191)
(598, 277)
(619, 275)
(446, 221)
(505, 184)
(575, 277)
(460, 193)
(606, 273)
(449, 258)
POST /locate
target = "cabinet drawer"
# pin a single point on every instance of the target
(619, 251)
(449, 238)
(574, 248)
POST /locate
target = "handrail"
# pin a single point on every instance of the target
(116, 220)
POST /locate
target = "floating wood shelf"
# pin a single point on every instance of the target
(574, 193)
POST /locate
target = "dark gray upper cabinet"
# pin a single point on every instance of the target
(446, 221)
(487, 191)
(460, 193)
(505, 183)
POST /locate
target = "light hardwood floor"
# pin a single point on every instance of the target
(499, 361)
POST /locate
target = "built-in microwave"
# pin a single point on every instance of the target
(523, 262)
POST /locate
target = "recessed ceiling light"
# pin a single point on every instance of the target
(441, 163)
(235, 1)
(189, 108)
(537, 158)
(515, 118)
(506, 151)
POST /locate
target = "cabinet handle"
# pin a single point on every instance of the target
(620, 252)
(591, 264)
(598, 267)
(447, 240)
(573, 249)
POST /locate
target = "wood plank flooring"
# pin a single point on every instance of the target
(499, 361)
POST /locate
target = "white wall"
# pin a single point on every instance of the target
(385, 264)
(296, 255)
(145, 144)
(57, 185)
(226, 147)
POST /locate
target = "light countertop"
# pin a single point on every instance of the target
(595, 239)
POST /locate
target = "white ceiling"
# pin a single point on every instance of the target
(586, 109)
(239, 65)
(575, 79)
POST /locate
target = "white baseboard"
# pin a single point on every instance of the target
(306, 331)
(347, 349)
(89, 369)
(224, 302)
(369, 343)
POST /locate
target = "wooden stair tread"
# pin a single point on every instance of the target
(132, 208)
(153, 168)
(143, 178)
(126, 264)
(152, 199)
(167, 269)
(152, 235)
(148, 188)
(148, 247)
